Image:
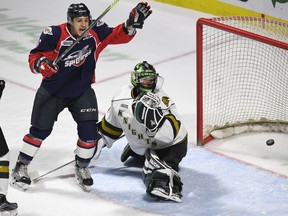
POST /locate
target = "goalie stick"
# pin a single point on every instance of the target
(35, 177)
(85, 32)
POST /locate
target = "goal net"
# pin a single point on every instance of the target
(242, 76)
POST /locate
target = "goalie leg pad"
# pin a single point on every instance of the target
(127, 152)
(161, 181)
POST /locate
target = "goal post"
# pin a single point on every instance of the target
(242, 76)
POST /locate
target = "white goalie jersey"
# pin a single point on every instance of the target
(120, 118)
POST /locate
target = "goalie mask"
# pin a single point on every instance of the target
(147, 111)
(144, 77)
(77, 10)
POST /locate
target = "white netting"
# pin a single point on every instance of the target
(244, 80)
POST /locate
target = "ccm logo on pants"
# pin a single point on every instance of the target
(88, 110)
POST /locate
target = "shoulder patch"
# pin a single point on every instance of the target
(48, 31)
(165, 100)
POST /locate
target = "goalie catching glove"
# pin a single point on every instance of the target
(45, 66)
(147, 111)
(138, 15)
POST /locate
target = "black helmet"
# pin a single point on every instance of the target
(77, 10)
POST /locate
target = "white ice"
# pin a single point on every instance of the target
(239, 175)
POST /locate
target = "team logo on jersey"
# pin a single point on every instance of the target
(165, 100)
(78, 57)
(48, 31)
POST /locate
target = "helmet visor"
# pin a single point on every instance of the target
(148, 82)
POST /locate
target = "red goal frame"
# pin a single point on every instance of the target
(216, 23)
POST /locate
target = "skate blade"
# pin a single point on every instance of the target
(86, 188)
(19, 185)
(9, 213)
(160, 195)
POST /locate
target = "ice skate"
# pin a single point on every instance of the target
(19, 177)
(161, 190)
(7, 208)
(83, 178)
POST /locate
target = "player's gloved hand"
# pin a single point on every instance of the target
(2, 86)
(151, 100)
(138, 15)
(45, 66)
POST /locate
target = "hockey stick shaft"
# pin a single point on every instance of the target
(85, 32)
(51, 171)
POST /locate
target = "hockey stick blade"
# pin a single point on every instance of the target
(85, 32)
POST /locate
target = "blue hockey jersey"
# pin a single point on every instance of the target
(76, 70)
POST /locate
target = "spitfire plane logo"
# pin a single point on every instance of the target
(78, 57)
(279, 1)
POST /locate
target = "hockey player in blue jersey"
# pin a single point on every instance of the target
(68, 85)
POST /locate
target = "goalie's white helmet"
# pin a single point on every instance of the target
(144, 77)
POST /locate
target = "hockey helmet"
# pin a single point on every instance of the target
(144, 77)
(77, 10)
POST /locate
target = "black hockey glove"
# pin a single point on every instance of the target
(2, 86)
(138, 15)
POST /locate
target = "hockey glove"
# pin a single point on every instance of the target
(45, 66)
(147, 112)
(150, 99)
(138, 15)
(2, 86)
